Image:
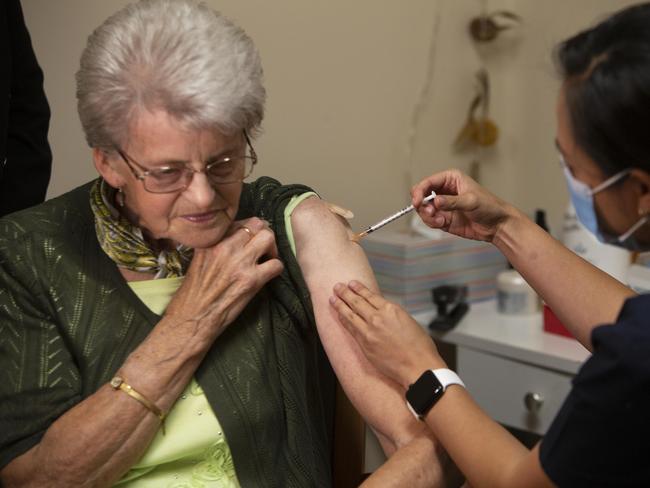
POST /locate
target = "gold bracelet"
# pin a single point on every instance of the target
(118, 383)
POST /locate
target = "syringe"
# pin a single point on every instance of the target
(388, 220)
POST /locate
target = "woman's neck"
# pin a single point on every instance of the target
(130, 275)
(157, 245)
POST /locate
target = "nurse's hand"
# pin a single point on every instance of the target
(388, 336)
(461, 207)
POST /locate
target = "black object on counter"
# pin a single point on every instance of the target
(451, 305)
(540, 219)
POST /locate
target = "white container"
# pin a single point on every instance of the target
(514, 295)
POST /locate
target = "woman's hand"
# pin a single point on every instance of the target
(461, 207)
(389, 337)
(222, 279)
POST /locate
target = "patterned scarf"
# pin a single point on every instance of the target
(124, 243)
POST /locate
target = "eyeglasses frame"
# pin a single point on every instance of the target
(146, 172)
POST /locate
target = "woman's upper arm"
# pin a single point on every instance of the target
(326, 256)
(39, 378)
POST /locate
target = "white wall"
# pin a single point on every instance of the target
(343, 77)
(528, 91)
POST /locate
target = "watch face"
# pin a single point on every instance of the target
(424, 393)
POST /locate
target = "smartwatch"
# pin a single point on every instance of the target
(427, 390)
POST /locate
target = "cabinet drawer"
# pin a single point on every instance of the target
(511, 392)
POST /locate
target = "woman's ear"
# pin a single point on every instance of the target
(105, 166)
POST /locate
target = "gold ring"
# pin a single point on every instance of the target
(246, 229)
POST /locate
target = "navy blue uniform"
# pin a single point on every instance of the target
(601, 436)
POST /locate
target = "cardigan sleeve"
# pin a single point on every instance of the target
(39, 378)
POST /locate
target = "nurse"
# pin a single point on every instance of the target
(603, 141)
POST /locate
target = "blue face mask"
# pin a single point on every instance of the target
(582, 198)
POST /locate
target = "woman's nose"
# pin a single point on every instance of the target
(200, 191)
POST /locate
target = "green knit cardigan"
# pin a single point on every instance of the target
(68, 321)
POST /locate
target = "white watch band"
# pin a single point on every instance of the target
(447, 377)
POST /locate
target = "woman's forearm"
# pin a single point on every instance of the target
(413, 465)
(98, 440)
(581, 295)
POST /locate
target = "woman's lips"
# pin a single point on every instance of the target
(201, 218)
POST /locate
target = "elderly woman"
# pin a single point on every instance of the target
(167, 324)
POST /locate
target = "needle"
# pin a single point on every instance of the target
(389, 219)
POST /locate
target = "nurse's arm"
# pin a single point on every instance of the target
(488, 455)
(581, 295)
(327, 256)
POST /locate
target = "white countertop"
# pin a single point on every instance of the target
(519, 337)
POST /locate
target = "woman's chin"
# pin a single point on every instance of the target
(202, 240)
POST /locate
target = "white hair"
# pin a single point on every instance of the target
(176, 55)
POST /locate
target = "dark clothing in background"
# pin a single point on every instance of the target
(25, 157)
(600, 436)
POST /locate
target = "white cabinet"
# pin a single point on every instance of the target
(511, 392)
(519, 374)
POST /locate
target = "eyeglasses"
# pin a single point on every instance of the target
(173, 178)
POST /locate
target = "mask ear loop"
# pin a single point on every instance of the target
(641, 222)
(610, 181)
(600, 187)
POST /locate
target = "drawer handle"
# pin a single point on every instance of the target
(533, 402)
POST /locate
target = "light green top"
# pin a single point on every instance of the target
(293, 203)
(194, 452)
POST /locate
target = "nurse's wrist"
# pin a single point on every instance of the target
(411, 374)
(509, 228)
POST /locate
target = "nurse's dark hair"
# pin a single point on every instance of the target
(606, 70)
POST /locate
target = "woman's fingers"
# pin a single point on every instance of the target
(269, 269)
(257, 234)
(263, 244)
(222, 279)
(243, 231)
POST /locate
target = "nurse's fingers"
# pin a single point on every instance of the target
(350, 320)
(465, 203)
(358, 304)
(442, 183)
(374, 299)
(433, 220)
